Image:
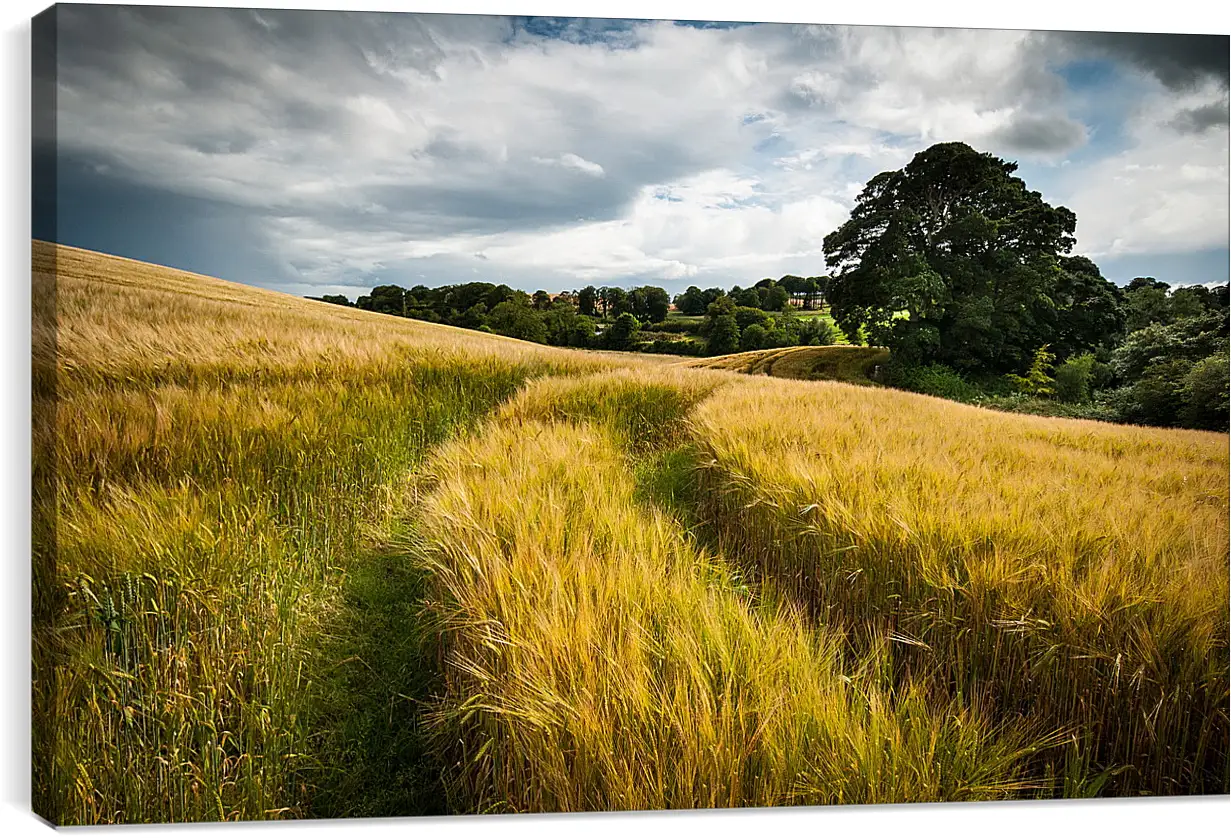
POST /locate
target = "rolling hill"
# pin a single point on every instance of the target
(850, 364)
(298, 560)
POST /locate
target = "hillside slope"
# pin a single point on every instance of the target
(850, 364)
(297, 560)
(211, 465)
(126, 313)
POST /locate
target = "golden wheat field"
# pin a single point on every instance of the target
(294, 560)
(852, 364)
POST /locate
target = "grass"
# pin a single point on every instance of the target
(598, 661)
(851, 364)
(1075, 573)
(373, 756)
(219, 455)
(299, 560)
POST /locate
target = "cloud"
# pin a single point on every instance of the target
(563, 151)
(1199, 119)
(1178, 61)
(571, 161)
(1042, 134)
(1165, 193)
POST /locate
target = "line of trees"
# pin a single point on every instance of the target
(715, 321)
(807, 293)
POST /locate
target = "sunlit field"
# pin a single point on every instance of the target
(297, 560)
(851, 364)
(217, 457)
(1069, 573)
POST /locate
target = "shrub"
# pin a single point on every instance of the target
(746, 316)
(817, 332)
(677, 327)
(1204, 394)
(1153, 399)
(1036, 381)
(1191, 340)
(754, 337)
(932, 380)
(1073, 379)
(1098, 409)
(660, 346)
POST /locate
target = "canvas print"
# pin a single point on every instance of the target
(451, 414)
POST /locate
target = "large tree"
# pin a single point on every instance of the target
(587, 301)
(386, 299)
(692, 301)
(1084, 311)
(649, 303)
(516, 319)
(953, 259)
(721, 328)
(775, 298)
(623, 332)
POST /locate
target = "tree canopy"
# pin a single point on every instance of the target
(953, 260)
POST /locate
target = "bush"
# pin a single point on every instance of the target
(932, 380)
(690, 348)
(1036, 381)
(677, 327)
(1154, 399)
(817, 332)
(1073, 379)
(746, 316)
(1204, 394)
(1099, 410)
(1192, 340)
(754, 337)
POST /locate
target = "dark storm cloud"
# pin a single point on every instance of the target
(227, 54)
(1178, 61)
(215, 46)
(1200, 119)
(1040, 134)
(480, 210)
(277, 88)
(234, 143)
(97, 211)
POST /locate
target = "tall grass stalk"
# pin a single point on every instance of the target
(594, 660)
(1073, 573)
(212, 460)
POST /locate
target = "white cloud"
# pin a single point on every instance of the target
(1165, 193)
(706, 225)
(361, 143)
(568, 160)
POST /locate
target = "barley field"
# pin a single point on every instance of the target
(295, 560)
(851, 364)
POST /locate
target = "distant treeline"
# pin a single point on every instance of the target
(1164, 361)
(715, 321)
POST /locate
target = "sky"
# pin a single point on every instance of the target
(328, 152)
